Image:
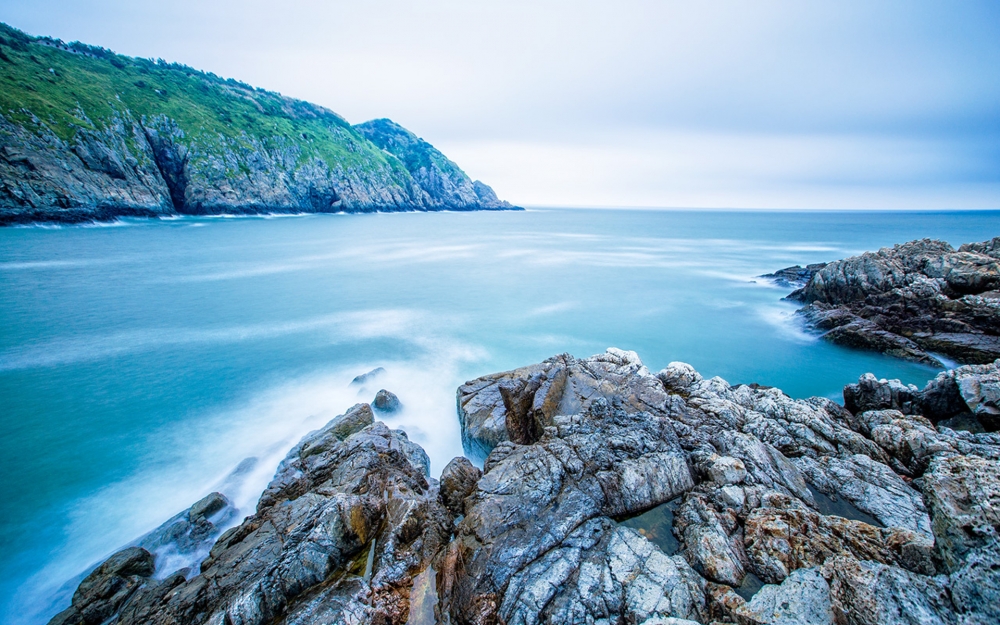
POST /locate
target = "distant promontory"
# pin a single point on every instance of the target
(89, 134)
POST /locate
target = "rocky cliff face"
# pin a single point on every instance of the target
(88, 134)
(911, 301)
(782, 511)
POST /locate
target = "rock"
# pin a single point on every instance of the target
(803, 598)
(726, 470)
(869, 593)
(536, 543)
(872, 516)
(911, 301)
(795, 276)
(458, 481)
(963, 493)
(103, 592)
(347, 494)
(386, 402)
(186, 538)
(873, 487)
(782, 540)
(871, 393)
(371, 376)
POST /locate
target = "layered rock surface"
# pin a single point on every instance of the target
(865, 516)
(911, 301)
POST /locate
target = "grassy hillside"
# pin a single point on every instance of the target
(74, 86)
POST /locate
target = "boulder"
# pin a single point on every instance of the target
(386, 401)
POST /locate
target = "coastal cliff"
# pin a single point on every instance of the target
(89, 134)
(608, 494)
(911, 301)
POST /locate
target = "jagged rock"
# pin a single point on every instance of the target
(458, 481)
(911, 301)
(189, 535)
(871, 393)
(102, 593)
(727, 470)
(365, 378)
(346, 495)
(782, 540)
(852, 512)
(803, 598)
(542, 510)
(963, 493)
(869, 593)
(970, 389)
(795, 276)
(386, 401)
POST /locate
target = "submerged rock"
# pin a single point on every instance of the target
(755, 487)
(911, 301)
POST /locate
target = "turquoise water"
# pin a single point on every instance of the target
(141, 362)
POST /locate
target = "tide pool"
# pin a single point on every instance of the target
(142, 361)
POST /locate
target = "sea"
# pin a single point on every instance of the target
(142, 361)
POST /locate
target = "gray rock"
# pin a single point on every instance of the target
(386, 401)
(540, 514)
(108, 587)
(803, 598)
(963, 493)
(584, 452)
(458, 481)
(911, 301)
(371, 376)
(726, 470)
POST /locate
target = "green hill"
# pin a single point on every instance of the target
(86, 133)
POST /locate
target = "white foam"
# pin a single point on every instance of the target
(204, 452)
(789, 326)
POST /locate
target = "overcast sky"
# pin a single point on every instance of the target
(673, 104)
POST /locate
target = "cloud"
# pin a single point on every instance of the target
(773, 103)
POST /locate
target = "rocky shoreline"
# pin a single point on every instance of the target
(777, 511)
(912, 301)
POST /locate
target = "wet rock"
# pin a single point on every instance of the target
(458, 481)
(346, 495)
(873, 487)
(594, 461)
(186, 538)
(911, 301)
(386, 401)
(795, 276)
(871, 393)
(371, 376)
(102, 593)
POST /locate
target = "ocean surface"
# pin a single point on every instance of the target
(142, 361)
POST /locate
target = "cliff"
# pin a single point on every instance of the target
(89, 134)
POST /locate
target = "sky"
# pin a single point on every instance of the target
(767, 104)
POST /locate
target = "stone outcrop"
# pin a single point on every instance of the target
(831, 508)
(969, 392)
(784, 511)
(911, 301)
